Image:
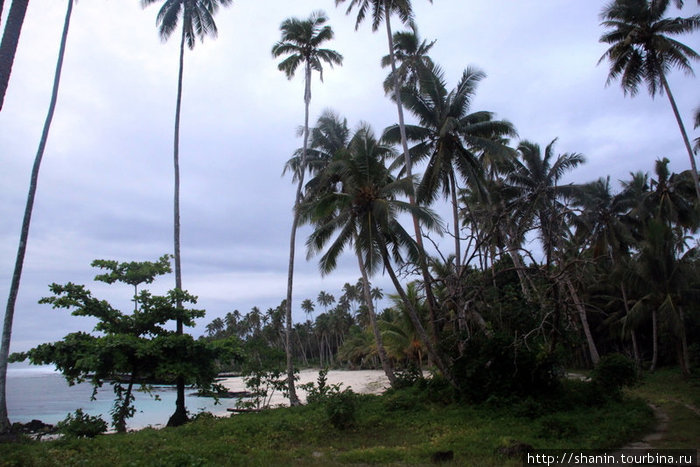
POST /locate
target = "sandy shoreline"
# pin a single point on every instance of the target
(361, 381)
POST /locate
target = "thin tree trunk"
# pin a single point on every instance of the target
(633, 333)
(686, 141)
(654, 341)
(427, 279)
(455, 217)
(10, 39)
(381, 351)
(592, 350)
(684, 358)
(179, 417)
(24, 233)
(293, 398)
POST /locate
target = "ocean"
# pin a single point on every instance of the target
(42, 393)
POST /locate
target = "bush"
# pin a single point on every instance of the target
(341, 408)
(613, 372)
(319, 392)
(499, 366)
(81, 425)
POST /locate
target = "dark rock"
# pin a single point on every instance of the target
(442, 456)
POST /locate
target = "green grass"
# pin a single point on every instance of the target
(385, 433)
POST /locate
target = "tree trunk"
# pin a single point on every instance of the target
(686, 141)
(381, 351)
(10, 39)
(633, 333)
(179, 417)
(430, 298)
(293, 398)
(24, 233)
(654, 341)
(455, 218)
(592, 350)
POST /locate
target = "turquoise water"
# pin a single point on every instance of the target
(43, 394)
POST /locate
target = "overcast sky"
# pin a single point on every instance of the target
(105, 188)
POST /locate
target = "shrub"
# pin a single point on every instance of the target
(319, 392)
(341, 408)
(557, 426)
(613, 372)
(81, 425)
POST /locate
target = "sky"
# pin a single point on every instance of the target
(106, 183)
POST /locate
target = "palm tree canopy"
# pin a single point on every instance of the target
(402, 8)
(301, 40)
(364, 211)
(197, 15)
(641, 47)
(411, 54)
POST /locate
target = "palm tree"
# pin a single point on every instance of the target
(382, 11)
(537, 177)
(642, 50)
(308, 306)
(197, 22)
(696, 125)
(325, 299)
(10, 39)
(301, 40)
(24, 233)
(364, 214)
(450, 138)
(411, 53)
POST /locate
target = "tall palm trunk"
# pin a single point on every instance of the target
(381, 351)
(686, 141)
(430, 298)
(10, 38)
(24, 234)
(293, 398)
(455, 219)
(179, 417)
(633, 333)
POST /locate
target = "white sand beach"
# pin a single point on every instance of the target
(361, 381)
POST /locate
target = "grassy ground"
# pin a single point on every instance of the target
(679, 399)
(402, 428)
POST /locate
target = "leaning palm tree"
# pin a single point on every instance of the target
(24, 233)
(381, 10)
(301, 41)
(642, 50)
(10, 38)
(197, 22)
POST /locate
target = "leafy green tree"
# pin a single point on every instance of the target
(26, 221)
(197, 22)
(301, 41)
(136, 346)
(642, 50)
(10, 39)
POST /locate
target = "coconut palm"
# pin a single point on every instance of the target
(411, 54)
(325, 299)
(364, 214)
(24, 233)
(301, 41)
(642, 50)
(10, 39)
(197, 22)
(537, 177)
(382, 10)
(697, 125)
(450, 137)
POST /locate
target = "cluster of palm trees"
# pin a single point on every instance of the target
(361, 190)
